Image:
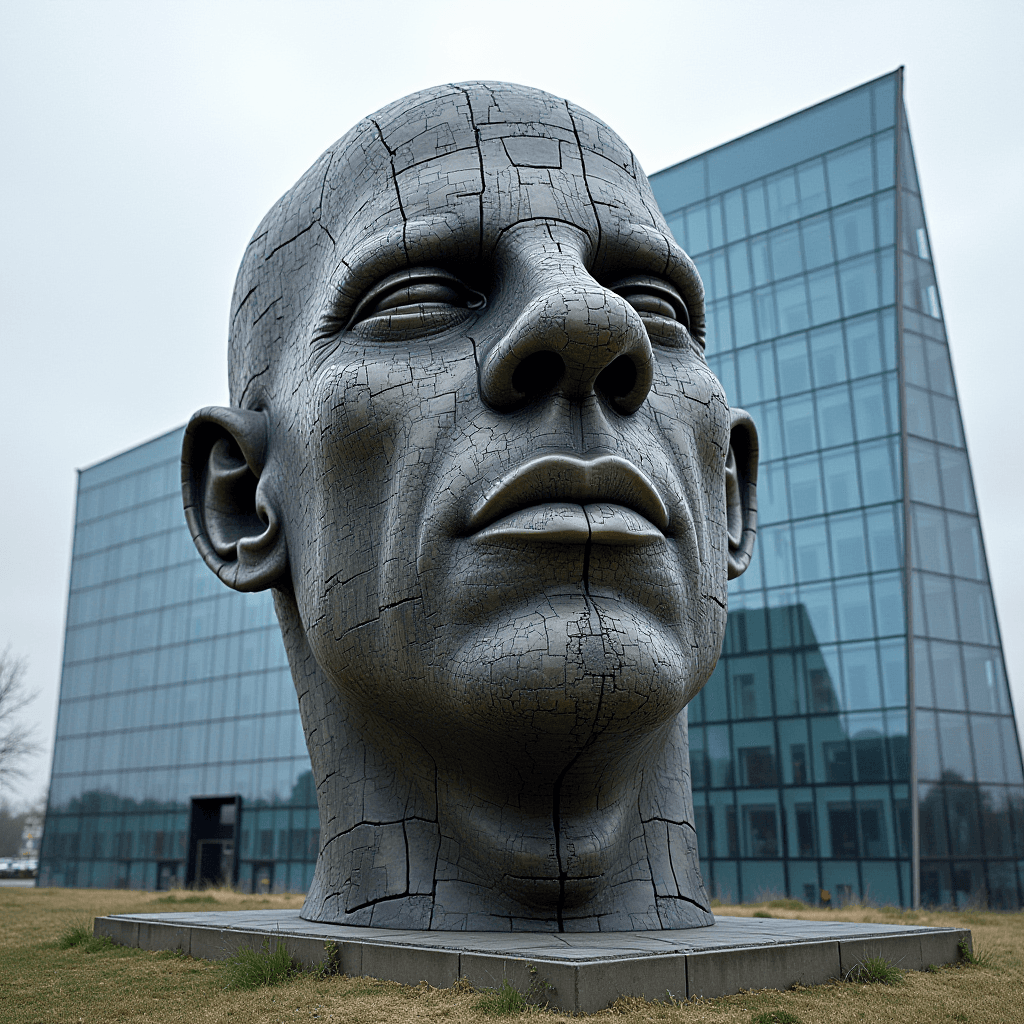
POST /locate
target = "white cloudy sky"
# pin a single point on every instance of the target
(143, 141)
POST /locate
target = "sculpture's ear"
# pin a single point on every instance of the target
(229, 505)
(741, 491)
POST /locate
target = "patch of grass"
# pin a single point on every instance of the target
(79, 936)
(876, 970)
(191, 898)
(787, 904)
(504, 1001)
(249, 968)
(973, 957)
(762, 913)
(775, 1017)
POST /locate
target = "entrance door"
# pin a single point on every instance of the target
(212, 848)
(263, 877)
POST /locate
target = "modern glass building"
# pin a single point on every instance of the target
(179, 754)
(857, 737)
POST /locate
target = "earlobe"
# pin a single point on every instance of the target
(741, 491)
(229, 502)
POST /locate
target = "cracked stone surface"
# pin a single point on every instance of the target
(476, 450)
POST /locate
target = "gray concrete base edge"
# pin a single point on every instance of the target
(585, 986)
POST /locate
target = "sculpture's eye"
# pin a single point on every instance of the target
(419, 298)
(660, 306)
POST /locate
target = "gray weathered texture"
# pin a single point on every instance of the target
(579, 973)
(476, 449)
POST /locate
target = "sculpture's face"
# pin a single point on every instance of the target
(508, 537)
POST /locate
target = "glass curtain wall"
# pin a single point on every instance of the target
(173, 687)
(800, 743)
(969, 778)
(859, 721)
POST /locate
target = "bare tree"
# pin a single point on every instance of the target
(17, 741)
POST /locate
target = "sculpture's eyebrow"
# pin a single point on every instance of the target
(643, 248)
(415, 243)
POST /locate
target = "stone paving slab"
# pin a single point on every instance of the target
(580, 972)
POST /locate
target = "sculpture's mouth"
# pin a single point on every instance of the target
(565, 499)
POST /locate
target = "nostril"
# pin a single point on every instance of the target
(618, 378)
(538, 373)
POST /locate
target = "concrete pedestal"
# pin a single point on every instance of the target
(577, 972)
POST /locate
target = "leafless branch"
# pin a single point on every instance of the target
(17, 740)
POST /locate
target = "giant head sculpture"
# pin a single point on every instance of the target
(476, 450)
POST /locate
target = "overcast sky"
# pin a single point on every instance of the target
(142, 142)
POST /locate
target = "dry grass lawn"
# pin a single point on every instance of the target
(40, 983)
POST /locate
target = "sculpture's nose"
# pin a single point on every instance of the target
(574, 338)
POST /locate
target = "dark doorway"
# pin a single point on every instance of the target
(212, 843)
(263, 877)
(167, 875)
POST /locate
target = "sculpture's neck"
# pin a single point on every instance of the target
(386, 860)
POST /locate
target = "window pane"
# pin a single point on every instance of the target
(827, 355)
(946, 416)
(889, 607)
(930, 550)
(853, 600)
(884, 538)
(794, 368)
(798, 425)
(927, 746)
(871, 407)
(850, 172)
(940, 375)
(771, 494)
(937, 603)
(858, 281)
(734, 225)
(849, 552)
(986, 684)
(811, 182)
(811, 547)
(777, 552)
(786, 259)
(919, 413)
(834, 416)
(956, 480)
(878, 466)
(965, 545)
(987, 749)
(743, 320)
(805, 489)
(697, 229)
(817, 238)
(923, 472)
(855, 229)
(977, 619)
(739, 271)
(860, 674)
(947, 675)
(782, 201)
(956, 745)
(821, 287)
(841, 487)
(791, 297)
(756, 210)
(759, 261)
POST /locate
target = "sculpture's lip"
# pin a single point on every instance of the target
(566, 498)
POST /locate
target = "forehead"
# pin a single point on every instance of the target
(456, 166)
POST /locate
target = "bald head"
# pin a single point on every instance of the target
(437, 176)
